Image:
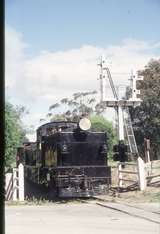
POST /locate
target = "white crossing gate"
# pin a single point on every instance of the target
(132, 173)
(139, 174)
(14, 186)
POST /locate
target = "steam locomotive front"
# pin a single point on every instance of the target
(81, 161)
(68, 158)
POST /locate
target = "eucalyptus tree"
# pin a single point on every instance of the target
(146, 117)
(81, 103)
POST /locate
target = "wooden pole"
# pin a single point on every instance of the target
(141, 173)
(120, 182)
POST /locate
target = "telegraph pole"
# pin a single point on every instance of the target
(102, 78)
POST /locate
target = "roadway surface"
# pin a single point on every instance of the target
(78, 218)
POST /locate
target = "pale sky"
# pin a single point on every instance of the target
(53, 47)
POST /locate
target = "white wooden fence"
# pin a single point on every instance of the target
(141, 173)
(14, 186)
(153, 172)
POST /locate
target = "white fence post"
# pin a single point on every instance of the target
(21, 181)
(14, 184)
(148, 156)
(141, 173)
(8, 185)
(120, 184)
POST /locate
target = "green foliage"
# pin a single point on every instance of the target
(146, 117)
(99, 123)
(14, 133)
(81, 103)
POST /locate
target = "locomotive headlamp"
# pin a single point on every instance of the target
(84, 124)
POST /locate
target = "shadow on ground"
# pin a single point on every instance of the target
(38, 192)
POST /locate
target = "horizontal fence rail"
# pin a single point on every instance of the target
(146, 173)
(153, 172)
(124, 174)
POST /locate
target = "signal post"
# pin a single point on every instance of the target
(119, 104)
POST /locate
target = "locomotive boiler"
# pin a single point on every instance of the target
(68, 158)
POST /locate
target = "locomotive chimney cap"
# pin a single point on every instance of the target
(84, 124)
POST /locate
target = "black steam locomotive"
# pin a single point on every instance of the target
(68, 158)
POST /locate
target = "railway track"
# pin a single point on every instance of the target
(131, 210)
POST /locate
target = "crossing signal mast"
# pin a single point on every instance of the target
(122, 108)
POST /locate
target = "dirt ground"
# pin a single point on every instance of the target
(151, 194)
